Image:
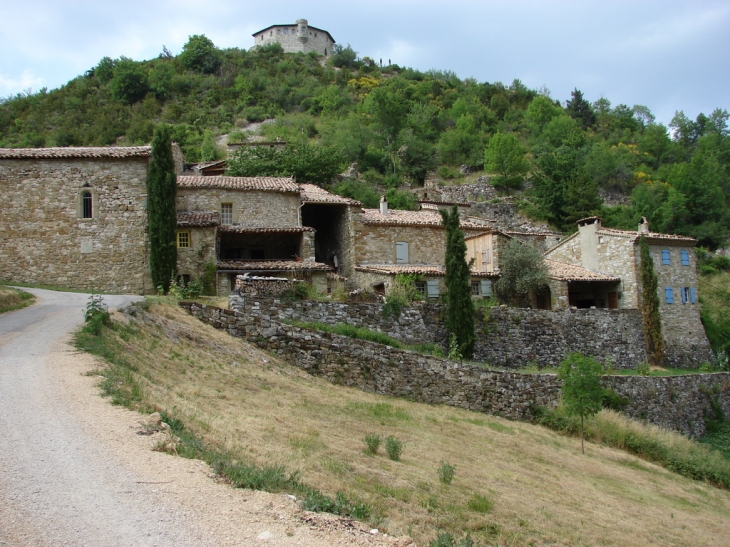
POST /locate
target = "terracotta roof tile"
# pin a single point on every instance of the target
(426, 217)
(634, 236)
(196, 219)
(273, 266)
(416, 269)
(568, 272)
(265, 184)
(438, 203)
(311, 193)
(244, 229)
(77, 152)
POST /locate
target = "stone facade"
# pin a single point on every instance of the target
(296, 38)
(678, 402)
(43, 235)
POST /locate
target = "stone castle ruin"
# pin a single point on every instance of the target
(296, 38)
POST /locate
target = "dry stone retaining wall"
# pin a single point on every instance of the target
(676, 402)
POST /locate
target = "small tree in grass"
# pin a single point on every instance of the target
(459, 305)
(161, 215)
(582, 391)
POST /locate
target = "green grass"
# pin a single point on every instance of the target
(49, 287)
(13, 299)
(358, 333)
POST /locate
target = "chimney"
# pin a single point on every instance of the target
(643, 226)
(383, 205)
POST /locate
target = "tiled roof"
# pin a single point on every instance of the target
(273, 266)
(569, 272)
(652, 236)
(266, 184)
(536, 233)
(243, 229)
(395, 217)
(416, 269)
(77, 152)
(438, 203)
(311, 193)
(198, 219)
(480, 234)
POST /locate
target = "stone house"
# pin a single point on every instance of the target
(387, 242)
(75, 217)
(610, 279)
(296, 38)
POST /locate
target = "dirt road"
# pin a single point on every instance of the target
(74, 471)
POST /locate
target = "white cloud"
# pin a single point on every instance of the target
(11, 85)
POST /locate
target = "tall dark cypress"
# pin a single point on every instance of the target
(650, 306)
(161, 216)
(459, 304)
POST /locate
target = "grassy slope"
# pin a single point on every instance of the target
(544, 491)
(715, 299)
(13, 299)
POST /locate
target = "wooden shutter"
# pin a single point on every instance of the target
(665, 256)
(685, 258)
(401, 252)
(692, 295)
(669, 293)
(486, 288)
(433, 288)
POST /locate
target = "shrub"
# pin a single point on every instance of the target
(643, 369)
(446, 473)
(613, 400)
(96, 315)
(394, 448)
(372, 443)
(480, 503)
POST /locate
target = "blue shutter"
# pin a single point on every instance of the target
(401, 252)
(692, 295)
(432, 288)
(685, 258)
(669, 294)
(486, 288)
(665, 256)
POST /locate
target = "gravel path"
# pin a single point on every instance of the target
(75, 471)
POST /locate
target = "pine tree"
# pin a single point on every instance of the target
(459, 304)
(161, 215)
(650, 306)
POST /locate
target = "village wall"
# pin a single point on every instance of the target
(44, 239)
(250, 207)
(192, 260)
(375, 244)
(676, 402)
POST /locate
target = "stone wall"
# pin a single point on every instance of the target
(250, 207)
(288, 36)
(192, 260)
(44, 239)
(375, 244)
(677, 402)
(481, 190)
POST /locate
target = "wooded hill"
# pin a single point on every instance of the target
(398, 124)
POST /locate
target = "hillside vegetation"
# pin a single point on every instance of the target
(513, 483)
(398, 124)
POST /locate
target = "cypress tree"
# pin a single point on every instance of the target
(161, 215)
(650, 306)
(459, 304)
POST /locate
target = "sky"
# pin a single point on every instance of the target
(668, 55)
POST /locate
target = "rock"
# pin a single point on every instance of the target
(265, 535)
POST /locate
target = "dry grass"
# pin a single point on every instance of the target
(544, 492)
(13, 299)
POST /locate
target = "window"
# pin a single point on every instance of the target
(685, 295)
(421, 287)
(685, 257)
(432, 288)
(401, 252)
(475, 288)
(669, 293)
(600, 240)
(226, 213)
(183, 240)
(665, 256)
(87, 204)
(286, 31)
(487, 288)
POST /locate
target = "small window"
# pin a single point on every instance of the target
(87, 204)
(600, 240)
(226, 213)
(685, 257)
(183, 240)
(421, 288)
(433, 288)
(475, 288)
(286, 31)
(669, 293)
(665, 256)
(401, 252)
(685, 295)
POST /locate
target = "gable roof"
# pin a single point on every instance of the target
(196, 219)
(568, 272)
(434, 270)
(651, 236)
(77, 152)
(272, 266)
(424, 217)
(311, 193)
(264, 184)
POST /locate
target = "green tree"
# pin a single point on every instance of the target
(650, 306)
(129, 84)
(579, 109)
(523, 272)
(506, 157)
(161, 215)
(343, 56)
(459, 304)
(199, 54)
(582, 391)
